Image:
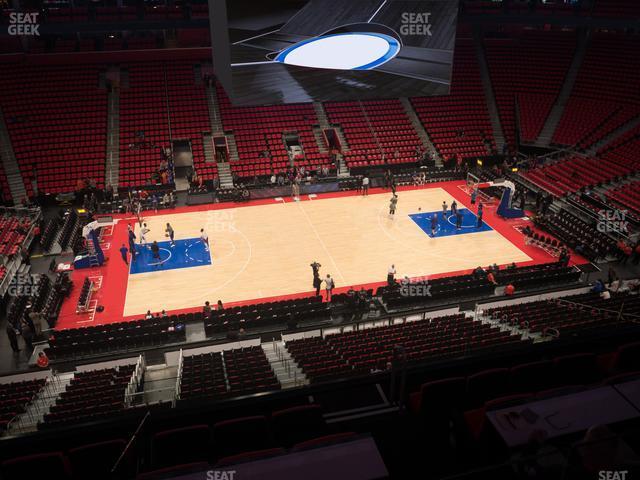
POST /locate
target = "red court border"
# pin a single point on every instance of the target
(112, 295)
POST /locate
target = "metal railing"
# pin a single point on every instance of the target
(179, 376)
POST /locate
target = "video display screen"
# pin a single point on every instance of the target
(290, 51)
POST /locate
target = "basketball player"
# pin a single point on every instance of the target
(444, 210)
(155, 250)
(205, 239)
(434, 224)
(138, 210)
(458, 220)
(454, 207)
(392, 205)
(143, 232)
(170, 234)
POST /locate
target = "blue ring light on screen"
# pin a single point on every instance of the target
(331, 50)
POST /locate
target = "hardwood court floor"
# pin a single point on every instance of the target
(265, 250)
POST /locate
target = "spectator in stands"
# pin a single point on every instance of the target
(149, 315)
(564, 256)
(491, 278)
(27, 333)
(292, 322)
(612, 276)
(509, 290)
(206, 311)
(43, 360)
(38, 321)
(513, 266)
(598, 287)
(164, 314)
(108, 193)
(13, 337)
(219, 305)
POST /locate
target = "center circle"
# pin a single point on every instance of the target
(342, 51)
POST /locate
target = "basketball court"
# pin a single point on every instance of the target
(262, 250)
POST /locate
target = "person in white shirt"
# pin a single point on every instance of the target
(391, 275)
(365, 185)
(143, 232)
(205, 239)
(329, 285)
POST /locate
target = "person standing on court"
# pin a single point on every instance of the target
(454, 208)
(143, 232)
(170, 234)
(155, 251)
(123, 253)
(138, 211)
(479, 216)
(315, 267)
(132, 236)
(434, 224)
(458, 220)
(365, 185)
(444, 210)
(329, 285)
(393, 204)
(205, 239)
(474, 195)
(317, 283)
(391, 275)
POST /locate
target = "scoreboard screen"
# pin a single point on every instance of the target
(290, 51)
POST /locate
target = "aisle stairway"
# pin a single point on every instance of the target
(287, 371)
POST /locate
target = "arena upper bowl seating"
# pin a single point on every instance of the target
(359, 352)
